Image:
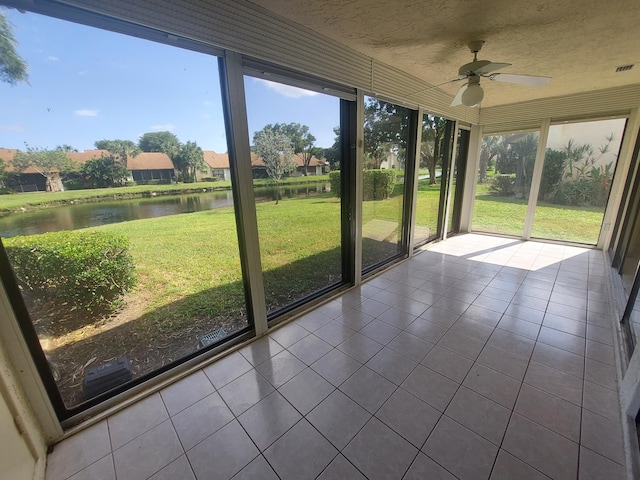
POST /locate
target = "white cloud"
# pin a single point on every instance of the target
(167, 127)
(13, 128)
(51, 58)
(86, 113)
(287, 90)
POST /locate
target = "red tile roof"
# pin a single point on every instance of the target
(221, 160)
(82, 157)
(150, 161)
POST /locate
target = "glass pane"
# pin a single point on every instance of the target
(385, 152)
(298, 212)
(462, 147)
(430, 177)
(125, 267)
(579, 164)
(504, 181)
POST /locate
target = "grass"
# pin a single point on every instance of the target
(179, 256)
(503, 215)
(12, 203)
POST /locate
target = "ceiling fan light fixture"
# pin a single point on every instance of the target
(473, 95)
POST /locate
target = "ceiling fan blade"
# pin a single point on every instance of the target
(491, 67)
(529, 80)
(457, 100)
(437, 86)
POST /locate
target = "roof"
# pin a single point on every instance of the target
(158, 161)
(150, 161)
(216, 160)
(84, 156)
(221, 160)
(7, 155)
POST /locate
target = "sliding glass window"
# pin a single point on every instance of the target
(579, 164)
(504, 182)
(432, 177)
(118, 215)
(386, 155)
(295, 145)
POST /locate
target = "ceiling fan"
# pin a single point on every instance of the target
(471, 93)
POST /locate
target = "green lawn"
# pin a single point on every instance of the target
(179, 257)
(493, 214)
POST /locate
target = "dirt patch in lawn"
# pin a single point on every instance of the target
(74, 345)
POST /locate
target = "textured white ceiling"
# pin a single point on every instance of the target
(577, 42)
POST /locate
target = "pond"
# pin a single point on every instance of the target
(93, 214)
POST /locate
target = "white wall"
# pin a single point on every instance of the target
(23, 452)
(16, 461)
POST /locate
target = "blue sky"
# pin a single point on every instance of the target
(88, 84)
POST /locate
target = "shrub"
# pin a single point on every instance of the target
(130, 183)
(73, 184)
(584, 192)
(83, 270)
(377, 184)
(334, 181)
(503, 185)
(210, 179)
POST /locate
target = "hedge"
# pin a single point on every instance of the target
(83, 270)
(377, 184)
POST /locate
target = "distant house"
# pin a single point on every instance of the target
(31, 179)
(217, 166)
(316, 166)
(151, 166)
(391, 162)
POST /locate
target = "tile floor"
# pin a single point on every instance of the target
(481, 358)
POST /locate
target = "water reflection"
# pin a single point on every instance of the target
(83, 215)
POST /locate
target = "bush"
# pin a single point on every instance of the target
(585, 192)
(210, 179)
(83, 270)
(503, 185)
(376, 184)
(334, 181)
(73, 184)
(130, 183)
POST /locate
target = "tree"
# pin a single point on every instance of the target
(554, 164)
(276, 151)
(333, 154)
(164, 142)
(49, 163)
(13, 69)
(385, 131)
(122, 149)
(4, 175)
(66, 148)
(492, 147)
(302, 141)
(103, 172)
(524, 151)
(433, 130)
(187, 160)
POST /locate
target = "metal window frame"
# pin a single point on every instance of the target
(407, 200)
